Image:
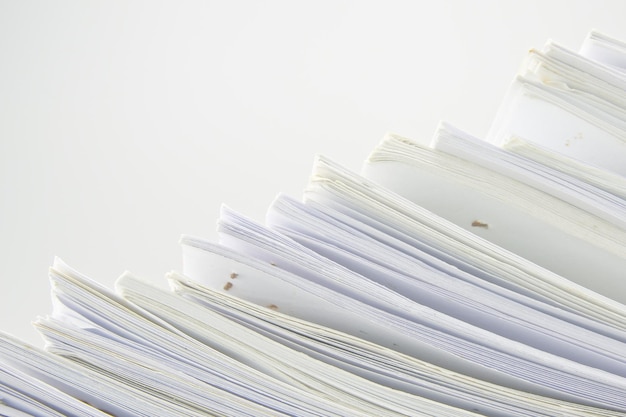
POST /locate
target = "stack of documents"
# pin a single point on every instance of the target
(459, 277)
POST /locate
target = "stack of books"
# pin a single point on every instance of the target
(458, 277)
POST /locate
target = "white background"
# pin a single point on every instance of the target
(125, 124)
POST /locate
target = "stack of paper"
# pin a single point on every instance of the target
(463, 277)
(604, 49)
(569, 104)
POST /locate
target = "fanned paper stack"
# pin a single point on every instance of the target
(459, 277)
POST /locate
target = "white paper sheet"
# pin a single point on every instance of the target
(605, 49)
(537, 225)
(372, 361)
(569, 104)
(469, 299)
(402, 324)
(380, 208)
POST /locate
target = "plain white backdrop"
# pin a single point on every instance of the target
(124, 124)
